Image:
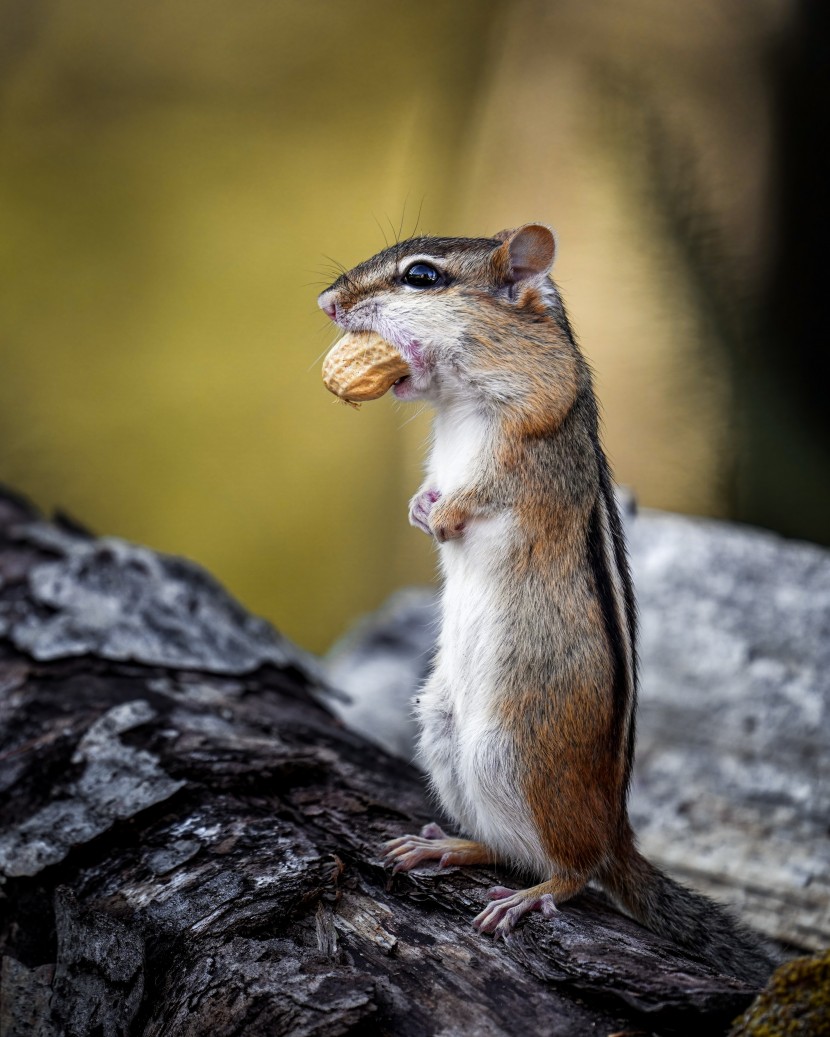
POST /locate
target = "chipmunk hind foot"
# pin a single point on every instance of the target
(433, 844)
(509, 906)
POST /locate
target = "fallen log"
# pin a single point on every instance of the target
(189, 839)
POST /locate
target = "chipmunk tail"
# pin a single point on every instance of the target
(704, 929)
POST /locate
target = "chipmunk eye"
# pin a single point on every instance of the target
(421, 275)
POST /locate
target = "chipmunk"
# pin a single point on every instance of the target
(527, 720)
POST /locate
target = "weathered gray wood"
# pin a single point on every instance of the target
(732, 787)
(189, 840)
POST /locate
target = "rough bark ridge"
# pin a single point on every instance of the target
(189, 839)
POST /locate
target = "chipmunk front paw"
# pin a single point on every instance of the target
(447, 522)
(420, 508)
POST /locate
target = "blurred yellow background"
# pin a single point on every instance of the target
(175, 176)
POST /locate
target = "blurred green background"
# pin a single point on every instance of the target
(175, 176)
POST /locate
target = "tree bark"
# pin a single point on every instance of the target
(189, 840)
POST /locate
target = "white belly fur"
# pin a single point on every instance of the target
(463, 744)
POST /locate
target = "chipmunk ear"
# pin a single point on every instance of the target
(526, 252)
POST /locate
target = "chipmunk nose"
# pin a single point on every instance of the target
(328, 303)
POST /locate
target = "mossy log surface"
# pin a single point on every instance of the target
(189, 839)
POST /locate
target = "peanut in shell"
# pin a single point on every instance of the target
(362, 366)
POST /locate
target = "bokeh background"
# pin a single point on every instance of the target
(178, 179)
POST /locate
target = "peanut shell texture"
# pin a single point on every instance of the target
(362, 366)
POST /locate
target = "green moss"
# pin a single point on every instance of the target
(795, 1003)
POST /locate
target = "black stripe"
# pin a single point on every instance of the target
(630, 603)
(623, 645)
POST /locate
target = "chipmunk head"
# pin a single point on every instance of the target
(458, 309)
